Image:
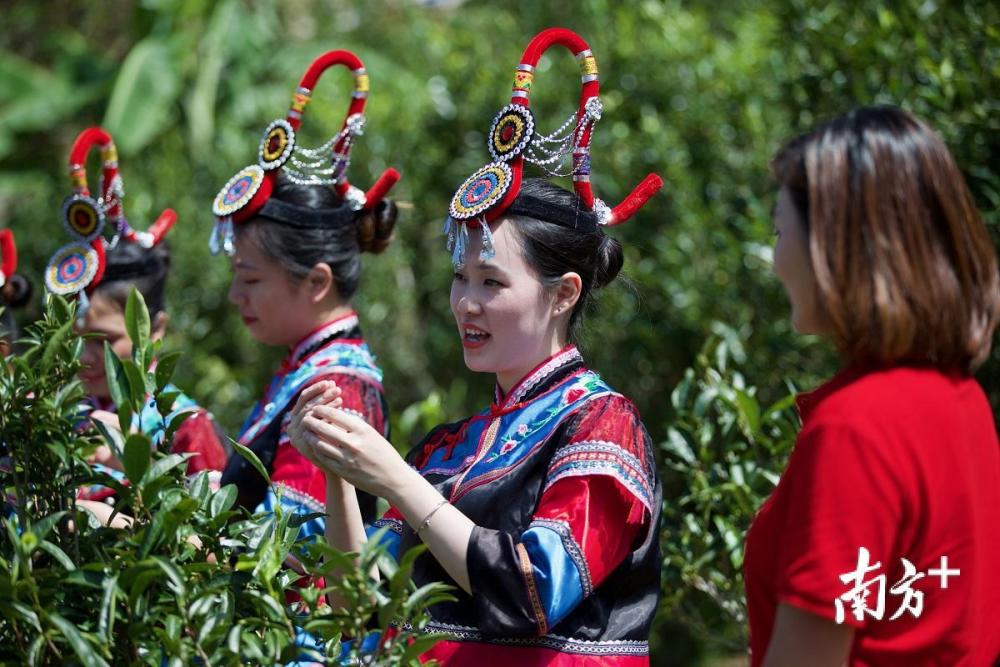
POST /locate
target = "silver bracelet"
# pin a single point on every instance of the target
(427, 519)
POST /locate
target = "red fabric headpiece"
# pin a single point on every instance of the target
(513, 138)
(245, 194)
(8, 255)
(78, 267)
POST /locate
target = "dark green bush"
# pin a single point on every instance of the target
(191, 579)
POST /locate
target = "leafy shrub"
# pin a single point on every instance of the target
(721, 458)
(191, 580)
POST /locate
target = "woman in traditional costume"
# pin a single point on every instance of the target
(543, 509)
(294, 228)
(105, 261)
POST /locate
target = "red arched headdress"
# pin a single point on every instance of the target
(514, 139)
(246, 193)
(78, 267)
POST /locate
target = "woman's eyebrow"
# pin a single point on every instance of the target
(489, 266)
(243, 264)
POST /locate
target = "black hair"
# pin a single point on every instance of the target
(338, 245)
(553, 250)
(131, 265)
(16, 291)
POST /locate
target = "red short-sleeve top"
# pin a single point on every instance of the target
(905, 463)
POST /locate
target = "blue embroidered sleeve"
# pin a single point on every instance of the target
(310, 528)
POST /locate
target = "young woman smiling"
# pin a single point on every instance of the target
(543, 508)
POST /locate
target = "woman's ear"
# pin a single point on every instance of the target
(566, 293)
(158, 327)
(319, 282)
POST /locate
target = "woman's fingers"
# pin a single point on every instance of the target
(314, 391)
(327, 431)
(325, 412)
(346, 421)
(330, 457)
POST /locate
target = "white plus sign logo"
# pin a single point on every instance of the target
(943, 572)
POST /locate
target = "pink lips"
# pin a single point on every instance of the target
(473, 337)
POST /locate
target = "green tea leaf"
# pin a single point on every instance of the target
(176, 422)
(165, 366)
(116, 379)
(164, 464)
(83, 649)
(246, 453)
(112, 436)
(165, 401)
(136, 383)
(223, 499)
(137, 322)
(125, 417)
(107, 614)
(58, 554)
(42, 527)
(138, 449)
(56, 345)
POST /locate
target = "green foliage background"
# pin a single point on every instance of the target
(701, 92)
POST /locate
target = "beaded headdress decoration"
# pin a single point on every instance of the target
(97, 225)
(8, 255)
(248, 193)
(514, 139)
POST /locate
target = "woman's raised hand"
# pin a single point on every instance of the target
(324, 392)
(345, 445)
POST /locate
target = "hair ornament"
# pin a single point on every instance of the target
(514, 139)
(246, 194)
(95, 224)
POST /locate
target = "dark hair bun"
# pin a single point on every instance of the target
(17, 291)
(608, 262)
(375, 228)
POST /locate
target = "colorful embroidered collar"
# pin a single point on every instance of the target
(326, 351)
(331, 329)
(553, 368)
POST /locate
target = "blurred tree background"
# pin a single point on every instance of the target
(700, 92)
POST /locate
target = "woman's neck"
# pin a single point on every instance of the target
(509, 378)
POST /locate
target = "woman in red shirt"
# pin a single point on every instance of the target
(879, 546)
